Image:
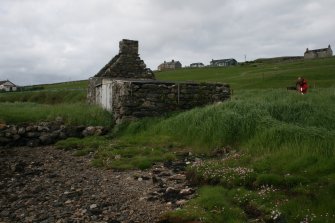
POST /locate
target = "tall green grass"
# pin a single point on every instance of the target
(45, 97)
(283, 170)
(259, 123)
(74, 114)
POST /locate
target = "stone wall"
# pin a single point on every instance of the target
(313, 55)
(132, 99)
(43, 133)
(319, 53)
(92, 94)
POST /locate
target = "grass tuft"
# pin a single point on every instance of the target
(73, 114)
(116, 155)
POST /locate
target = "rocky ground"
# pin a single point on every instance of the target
(43, 184)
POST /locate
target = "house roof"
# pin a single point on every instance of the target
(170, 63)
(2, 82)
(223, 60)
(318, 50)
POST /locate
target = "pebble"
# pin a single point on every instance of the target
(93, 206)
(186, 191)
(68, 202)
(181, 202)
(68, 189)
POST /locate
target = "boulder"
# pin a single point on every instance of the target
(31, 128)
(46, 139)
(89, 131)
(171, 194)
(12, 130)
(21, 130)
(33, 134)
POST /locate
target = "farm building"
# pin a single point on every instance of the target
(169, 65)
(125, 87)
(7, 86)
(318, 53)
(197, 65)
(223, 62)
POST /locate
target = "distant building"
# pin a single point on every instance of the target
(197, 65)
(7, 86)
(318, 53)
(169, 65)
(223, 62)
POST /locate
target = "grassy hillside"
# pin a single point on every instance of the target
(82, 84)
(253, 114)
(65, 92)
(320, 73)
(280, 166)
(49, 101)
(72, 113)
(46, 96)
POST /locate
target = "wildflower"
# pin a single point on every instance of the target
(275, 214)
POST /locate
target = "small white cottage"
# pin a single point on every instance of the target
(7, 86)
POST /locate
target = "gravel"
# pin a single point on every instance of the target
(43, 184)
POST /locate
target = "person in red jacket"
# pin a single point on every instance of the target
(301, 85)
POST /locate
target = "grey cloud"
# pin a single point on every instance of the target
(49, 41)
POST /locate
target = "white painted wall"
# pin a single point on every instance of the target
(8, 86)
(106, 100)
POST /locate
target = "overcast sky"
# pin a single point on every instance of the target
(48, 41)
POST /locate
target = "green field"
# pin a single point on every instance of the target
(71, 113)
(280, 145)
(74, 85)
(66, 100)
(319, 73)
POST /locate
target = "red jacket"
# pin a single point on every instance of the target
(303, 87)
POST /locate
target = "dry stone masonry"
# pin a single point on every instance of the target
(137, 99)
(126, 64)
(129, 90)
(43, 133)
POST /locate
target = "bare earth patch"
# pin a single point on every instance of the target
(48, 185)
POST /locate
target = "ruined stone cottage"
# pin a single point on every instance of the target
(318, 53)
(129, 90)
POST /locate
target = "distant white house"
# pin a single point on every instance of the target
(197, 65)
(223, 62)
(7, 86)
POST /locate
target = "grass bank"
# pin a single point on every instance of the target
(280, 166)
(280, 162)
(116, 154)
(73, 114)
(74, 85)
(45, 96)
(257, 121)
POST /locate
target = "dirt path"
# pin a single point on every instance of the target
(48, 185)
